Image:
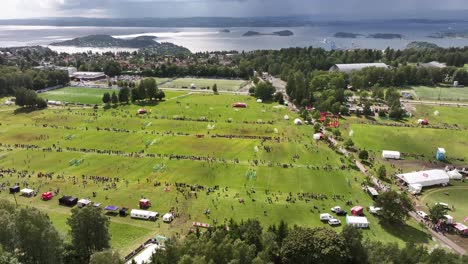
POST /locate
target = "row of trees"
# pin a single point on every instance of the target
(28, 237)
(12, 78)
(147, 89)
(248, 242)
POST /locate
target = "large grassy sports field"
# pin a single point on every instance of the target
(223, 84)
(77, 95)
(240, 163)
(441, 93)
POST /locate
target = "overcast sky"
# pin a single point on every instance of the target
(345, 9)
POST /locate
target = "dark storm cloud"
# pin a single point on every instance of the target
(185, 8)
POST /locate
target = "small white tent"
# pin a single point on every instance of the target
(390, 154)
(415, 188)
(297, 121)
(455, 175)
(318, 136)
(259, 101)
(83, 202)
(168, 217)
(286, 117)
(27, 192)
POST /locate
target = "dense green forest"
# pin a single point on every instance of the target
(12, 78)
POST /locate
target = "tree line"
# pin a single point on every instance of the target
(29, 237)
(247, 242)
(12, 78)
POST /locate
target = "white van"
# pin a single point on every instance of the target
(142, 214)
(325, 217)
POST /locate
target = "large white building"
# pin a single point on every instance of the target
(425, 178)
(347, 68)
(88, 76)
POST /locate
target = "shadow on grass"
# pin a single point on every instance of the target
(147, 103)
(26, 110)
(406, 233)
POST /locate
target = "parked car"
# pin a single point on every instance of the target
(334, 221)
(336, 209)
(423, 215)
(341, 212)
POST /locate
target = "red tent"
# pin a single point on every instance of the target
(240, 105)
(141, 111)
(47, 196)
(357, 210)
(145, 204)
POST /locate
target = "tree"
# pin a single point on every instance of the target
(37, 238)
(437, 212)
(279, 97)
(114, 98)
(161, 95)
(264, 91)
(353, 238)
(363, 154)
(89, 230)
(25, 97)
(382, 172)
(395, 206)
(106, 98)
(112, 68)
(317, 245)
(7, 258)
(124, 95)
(106, 257)
(151, 88)
(215, 88)
(348, 143)
(461, 75)
(367, 111)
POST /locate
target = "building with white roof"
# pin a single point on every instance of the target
(88, 76)
(347, 68)
(425, 178)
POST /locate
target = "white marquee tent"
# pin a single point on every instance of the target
(357, 221)
(390, 154)
(27, 192)
(425, 178)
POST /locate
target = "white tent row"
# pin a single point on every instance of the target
(425, 178)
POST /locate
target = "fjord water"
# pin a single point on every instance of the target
(212, 39)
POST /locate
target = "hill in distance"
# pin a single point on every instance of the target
(143, 43)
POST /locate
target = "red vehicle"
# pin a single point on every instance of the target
(357, 211)
(145, 204)
(47, 196)
(240, 105)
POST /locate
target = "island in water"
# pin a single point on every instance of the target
(421, 45)
(143, 43)
(385, 36)
(283, 33)
(346, 35)
(449, 34)
(225, 31)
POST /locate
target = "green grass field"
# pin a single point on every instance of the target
(145, 159)
(441, 93)
(454, 196)
(223, 84)
(77, 95)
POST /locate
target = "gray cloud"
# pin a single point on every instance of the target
(186, 8)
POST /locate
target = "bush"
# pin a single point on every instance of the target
(363, 154)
